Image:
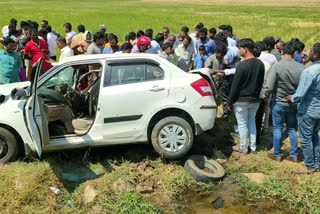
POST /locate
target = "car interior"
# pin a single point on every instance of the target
(69, 99)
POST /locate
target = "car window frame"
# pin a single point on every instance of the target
(59, 68)
(111, 63)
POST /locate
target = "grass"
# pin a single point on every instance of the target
(281, 187)
(122, 17)
(24, 186)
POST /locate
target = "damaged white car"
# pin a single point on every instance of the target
(102, 100)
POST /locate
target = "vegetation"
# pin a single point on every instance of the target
(121, 17)
(119, 180)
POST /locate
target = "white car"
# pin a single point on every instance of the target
(100, 100)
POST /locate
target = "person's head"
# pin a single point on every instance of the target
(167, 48)
(314, 54)
(102, 29)
(245, 46)
(81, 28)
(220, 37)
(143, 43)
(126, 47)
(12, 27)
(221, 50)
(222, 27)
(44, 23)
(258, 48)
(149, 33)
(289, 48)
(9, 44)
(202, 50)
(186, 41)
(280, 46)
(34, 34)
(43, 34)
(270, 42)
(172, 39)
(34, 25)
(166, 32)
(132, 36)
(67, 27)
(184, 31)
(61, 42)
(113, 40)
(48, 28)
(88, 36)
(203, 34)
(160, 38)
(24, 25)
(140, 33)
(99, 38)
(212, 33)
(228, 28)
(197, 28)
(299, 46)
(261, 45)
(14, 22)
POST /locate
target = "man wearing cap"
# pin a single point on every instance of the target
(103, 29)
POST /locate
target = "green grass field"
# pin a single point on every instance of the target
(123, 16)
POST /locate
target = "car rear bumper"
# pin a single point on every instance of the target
(204, 113)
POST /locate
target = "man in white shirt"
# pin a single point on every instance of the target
(66, 51)
(195, 36)
(51, 40)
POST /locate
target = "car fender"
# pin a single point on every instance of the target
(12, 115)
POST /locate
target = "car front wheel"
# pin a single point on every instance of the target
(8, 146)
(172, 137)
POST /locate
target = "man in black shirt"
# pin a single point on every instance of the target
(244, 94)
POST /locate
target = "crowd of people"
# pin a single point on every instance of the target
(255, 79)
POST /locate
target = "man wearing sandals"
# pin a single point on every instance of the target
(308, 98)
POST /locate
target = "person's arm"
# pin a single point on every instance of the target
(305, 82)
(272, 78)
(236, 86)
(45, 48)
(27, 52)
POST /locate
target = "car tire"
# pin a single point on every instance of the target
(203, 169)
(179, 135)
(9, 148)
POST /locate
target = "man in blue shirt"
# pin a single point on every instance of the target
(308, 98)
(209, 44)
(201, 58)
(10, 62)
(114, 47)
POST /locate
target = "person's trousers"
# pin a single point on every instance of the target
(266, 114)
(224, 90)
(309, 135)
(246, 119)
(259, 119)
(283, 114)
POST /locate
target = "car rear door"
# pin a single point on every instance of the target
(132, 91)
(36, 119)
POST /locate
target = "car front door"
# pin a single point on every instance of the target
(131, 91)
(36, 120)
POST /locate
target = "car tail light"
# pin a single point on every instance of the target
(203, 87)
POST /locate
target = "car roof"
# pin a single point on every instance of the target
(108, 56)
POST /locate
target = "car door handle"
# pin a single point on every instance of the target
(156, 89)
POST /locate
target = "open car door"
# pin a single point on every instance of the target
(36, 119)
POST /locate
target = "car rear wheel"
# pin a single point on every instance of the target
(8, 146)
(172, 137)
